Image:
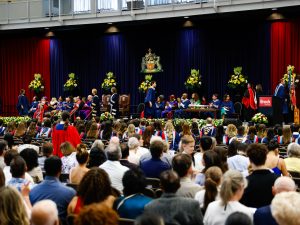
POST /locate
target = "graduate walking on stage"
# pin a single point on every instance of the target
(114, 103)
(150, 101)
(23, 104)
(250, 103)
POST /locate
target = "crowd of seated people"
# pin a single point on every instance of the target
(208, 175)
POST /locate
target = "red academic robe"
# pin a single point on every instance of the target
(249, 101)
(59, 135)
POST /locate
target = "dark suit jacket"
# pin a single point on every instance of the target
(263, 216)
(259, 190)
(176, 210)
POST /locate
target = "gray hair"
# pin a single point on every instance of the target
(156, 138)
(133, 143)
(285, 208)
(98, 144)
(113, 152)
(293, 150)
(45, 213)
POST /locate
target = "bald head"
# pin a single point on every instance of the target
(44, 213)
(284, 184)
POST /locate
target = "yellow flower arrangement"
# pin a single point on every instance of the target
(145, 84)
(109, 81)
(237, 79)
(290, 70)
(37, 84)
(194, 80)
(71, 83)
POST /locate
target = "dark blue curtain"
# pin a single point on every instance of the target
(214, 50)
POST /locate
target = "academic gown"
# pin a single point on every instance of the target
(59, 135)
(150, 97)
(114, 105)
(22, 101)
(95, 106)
(159, 107)
(280, 93)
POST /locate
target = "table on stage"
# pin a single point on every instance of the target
(202, 109)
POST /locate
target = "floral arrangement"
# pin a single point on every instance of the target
(259, 118)
(106, 116)
(194, 80)
(145, 84)
(201, 122)
(37, 84)
(109, 81)
(17, 119)
(290, 71)
(71, 83)
(237, 79)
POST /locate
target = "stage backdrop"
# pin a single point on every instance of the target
(20, 59)
(263, 49)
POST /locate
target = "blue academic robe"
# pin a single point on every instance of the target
(215, 103)
(33, 107)
(23, 102)
(150, 97)
(159, 107)
(180, 113)
(280, 93)
(229, 107)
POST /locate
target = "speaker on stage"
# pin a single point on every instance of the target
(234, 121)
(271, 106)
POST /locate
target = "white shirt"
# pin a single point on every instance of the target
(115, 171)
(217, 213)
(239, 163)
(135, 155)
(68, 162)
(22, 147)
(198, 161)
(8, 175)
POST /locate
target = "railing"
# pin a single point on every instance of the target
(26, 11)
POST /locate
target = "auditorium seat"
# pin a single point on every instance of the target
(124, 221)
(153, 183)
(124, 105)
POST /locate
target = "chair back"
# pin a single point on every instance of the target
(238, 108)
(105, 100)
(74, 186)
(124, 104)
(124, 221)
(64, 178)
(153, 183)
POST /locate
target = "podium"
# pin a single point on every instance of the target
(271, 106)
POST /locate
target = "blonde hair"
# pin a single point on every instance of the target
(93, 131)
(12, 208)
(231, 130)
(21, 129)
(186, 139)
(186, 129)
(232, 181)
(66, 148)
(169, 128)
(285, 208)
(130, 129)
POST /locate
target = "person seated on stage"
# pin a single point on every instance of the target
(170, 105)
(183, 103)
(215, 102)
(89, 100)
(195, 99)
(53, 104)
(68, 104)
(226, 106)
(203, 101)
(159, 106)
(59, 106)
(41, 109)
(33, 106)
(84, 109)
(208, 129)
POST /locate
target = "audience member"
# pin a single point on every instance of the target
(263, 215)
(274, 162)
(69, 157)
(154, 166)
(12, 208)
(182, 165)
(232, 189)
(95, 187)
(134, 153)
(293, 160)
(44, 213)
(9, 138)
(2, 178)
(3, 148)
(238, 159)
(47, 151)
(125, 153)
(238, 218)
(33, 169)
(51, 188)
(132, 204)
(113, 167)
(260, 181)
(213, 177)
(285, 208)
(208, 129)
(173, 208)
(27, 144)
(97, 214)
(77, 172)
(97, 157)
